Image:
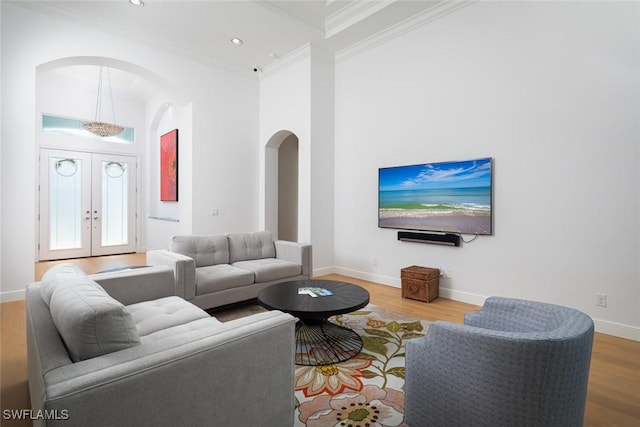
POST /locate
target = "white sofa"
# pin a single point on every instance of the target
(212, 271)
(119, 349)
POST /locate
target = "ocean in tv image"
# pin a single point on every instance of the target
(447, 196)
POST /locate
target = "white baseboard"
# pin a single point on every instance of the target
(619, 330)
(371, 277)
(602, 326)
(466, 297)
(444, 292)
(11, 296)
(317, 272)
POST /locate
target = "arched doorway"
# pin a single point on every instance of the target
(65, 88)
(281, 192)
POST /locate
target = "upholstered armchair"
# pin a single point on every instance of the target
(512, 363)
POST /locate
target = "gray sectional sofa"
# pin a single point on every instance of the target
(212, 271)
(119, 349)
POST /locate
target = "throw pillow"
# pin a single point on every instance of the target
(60, 273)
(90, 322)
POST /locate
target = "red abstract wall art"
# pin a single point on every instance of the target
(169, 166)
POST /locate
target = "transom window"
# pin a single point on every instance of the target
(73, 127)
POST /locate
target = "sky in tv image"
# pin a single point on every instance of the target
(447, 196)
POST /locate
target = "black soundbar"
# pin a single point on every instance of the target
(447, 239)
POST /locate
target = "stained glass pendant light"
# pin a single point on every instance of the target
(98, 127)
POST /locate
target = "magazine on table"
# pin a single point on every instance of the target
(314, 291)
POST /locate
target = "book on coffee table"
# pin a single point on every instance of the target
(314, 292)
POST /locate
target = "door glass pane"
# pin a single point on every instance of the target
(65, 210)
(115, 178)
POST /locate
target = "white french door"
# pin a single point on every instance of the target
(87, 204)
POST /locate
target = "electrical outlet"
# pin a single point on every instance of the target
(601, 300)
(214, 212)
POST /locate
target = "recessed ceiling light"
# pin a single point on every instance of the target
(236, 41)
(136, 2)
(273, 55)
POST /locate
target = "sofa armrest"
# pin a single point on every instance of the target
(189, 379)
(184, 270)
(139, 284)
(298, 253)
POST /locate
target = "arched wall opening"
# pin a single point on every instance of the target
(281, 185)
(142, 99)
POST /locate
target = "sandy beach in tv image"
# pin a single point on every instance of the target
(448, 197)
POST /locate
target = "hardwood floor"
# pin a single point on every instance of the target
(613, 396)
(614, 382)
(94, 264)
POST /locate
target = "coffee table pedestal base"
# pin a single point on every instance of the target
(325, 343)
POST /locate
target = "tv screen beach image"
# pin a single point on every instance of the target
(448, 197)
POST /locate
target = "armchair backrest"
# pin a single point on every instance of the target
(516, 315)
(514, 362)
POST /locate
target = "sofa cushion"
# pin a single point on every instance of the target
(204, 250)
(90, 322)
(220, 277)
(248, 246)
(268, 269)
(164, 313)
(59, 273)
(173, 331)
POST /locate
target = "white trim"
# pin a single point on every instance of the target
(432, 13)
(371, 277)
(11, 296)
(323, 271)
(302, 52)
(351, 14)
(615, 329)
(601, 326)
(466, 297)
(619, 330)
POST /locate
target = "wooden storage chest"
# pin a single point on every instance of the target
(420, 283)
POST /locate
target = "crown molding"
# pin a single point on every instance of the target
(351, 14)
(433, 13)
(302, 52)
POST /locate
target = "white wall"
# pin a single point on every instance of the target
(551, 91)
(222, 106)
(225, 160)
(298, 97)
(1, 154)
(288, 189)
(285, 106)
(166, 219)
(322, 157)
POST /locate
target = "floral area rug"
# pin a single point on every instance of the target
(365, 391)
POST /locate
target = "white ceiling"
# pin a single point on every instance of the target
(202, 30)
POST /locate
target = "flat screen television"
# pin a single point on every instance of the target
(448, 197)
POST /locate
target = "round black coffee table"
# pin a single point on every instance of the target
(318, 341)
